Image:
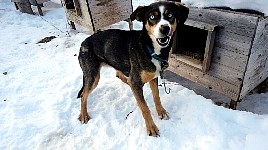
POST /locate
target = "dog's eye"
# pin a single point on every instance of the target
(170, 15)
(152, 17)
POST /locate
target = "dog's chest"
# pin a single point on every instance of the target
(147, 76)
(157, 66)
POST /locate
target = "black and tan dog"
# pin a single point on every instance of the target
(137, 56)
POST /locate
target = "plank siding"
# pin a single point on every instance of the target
(257, 68)
(116, 10)
(232, 42)
(97, 14)
(233, 46)
(240, 24)
(209, 81)
(225, 57)
(226, 73)
(86, 22)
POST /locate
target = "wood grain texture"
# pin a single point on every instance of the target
(96, 14)
(108, 12)
(208, 50)
(234, 44)
(257, 68)
(208, 81)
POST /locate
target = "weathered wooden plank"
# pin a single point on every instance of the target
(237, 23)
(255, 71)
(25, 7)
(200, 25)
(96, 14)
(230, 59)
(211, 82)
(189, 60)
(208, 50)
(254, 76)
(212, 15)
(257, 68)
(257, 58)
(116, 10)
(71, 15)
(232, 48)
(227, 74)
(77, 7)
(31, 1)
(232, 45)
(234, 36)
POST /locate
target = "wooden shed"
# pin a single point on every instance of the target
(96, 14)
(223, 50)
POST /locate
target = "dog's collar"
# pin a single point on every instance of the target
(163, 62)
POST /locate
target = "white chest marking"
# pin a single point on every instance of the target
(158, 67)
(157, 48)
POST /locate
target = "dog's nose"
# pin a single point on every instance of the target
(164, 29)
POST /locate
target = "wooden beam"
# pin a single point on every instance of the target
(208, 50)
(77, 8)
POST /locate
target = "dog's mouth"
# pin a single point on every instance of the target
(163, 41)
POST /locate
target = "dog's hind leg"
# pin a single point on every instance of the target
(159, 108)
(91, 75)
(90, 85)
(121, 76)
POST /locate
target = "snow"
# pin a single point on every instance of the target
(39, 109)
(260, 5)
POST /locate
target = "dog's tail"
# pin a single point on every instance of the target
(79, 95)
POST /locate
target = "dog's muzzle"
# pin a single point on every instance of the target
(163, 41)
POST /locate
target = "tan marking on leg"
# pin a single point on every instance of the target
(121, 76)
(151, 128)
(84, 117)
(147, 76)
(162, 113)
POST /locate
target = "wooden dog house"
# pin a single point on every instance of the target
(223, 50)
(96, 14)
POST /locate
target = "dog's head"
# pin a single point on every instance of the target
(160, 19)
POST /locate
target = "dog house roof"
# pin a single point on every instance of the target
(259, 5)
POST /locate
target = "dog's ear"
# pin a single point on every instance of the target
(139, 13)
(182, 12)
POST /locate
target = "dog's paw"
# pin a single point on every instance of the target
(84, 118)
(163, 114)
(152, 130)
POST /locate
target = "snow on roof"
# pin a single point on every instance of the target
(259, 5)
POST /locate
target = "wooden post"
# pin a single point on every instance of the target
(72, 25)
(39, 8)
(16, 5)
(208, 50)
(25, 7)
(77, 8)
(233, 104)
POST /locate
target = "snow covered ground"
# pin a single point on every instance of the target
(39, 109)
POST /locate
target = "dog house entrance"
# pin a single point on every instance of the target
(194, 44)
(74, 6)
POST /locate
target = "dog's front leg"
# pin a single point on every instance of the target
(162, 113)
(136, 88)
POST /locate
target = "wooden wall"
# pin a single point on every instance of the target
(96, 14)
(107, 12)
(84, 19)
(230, 54)
(257, 68)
